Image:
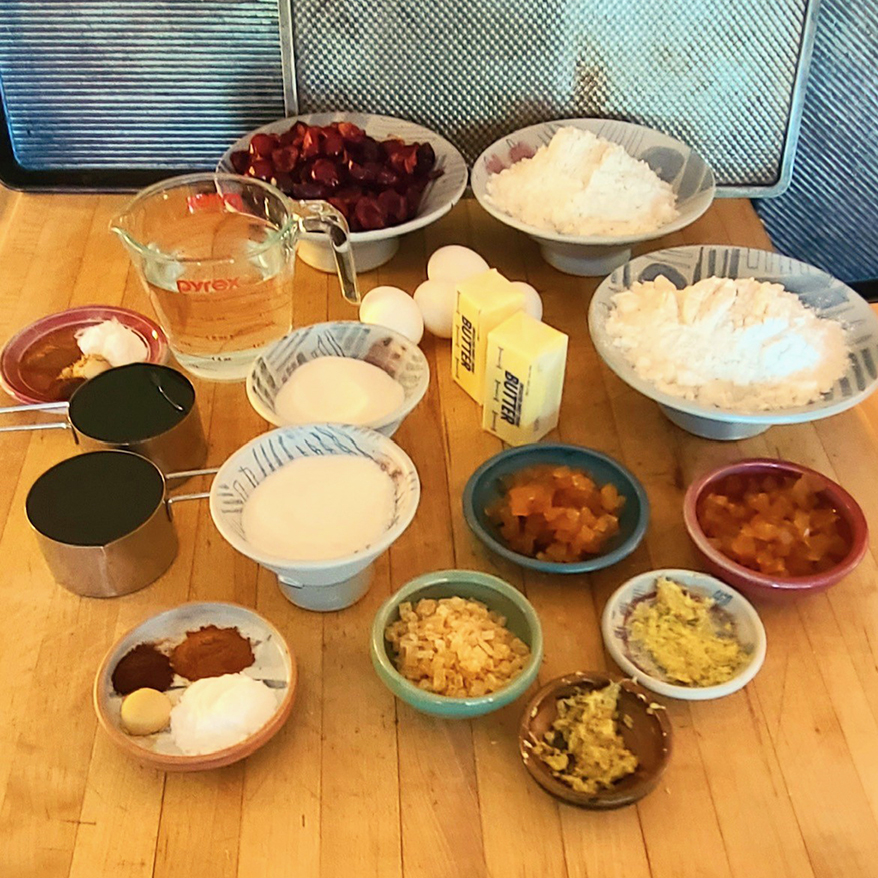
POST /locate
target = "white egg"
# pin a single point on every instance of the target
(533, 304)
(435, 298)
(395, 309)
(455, 263)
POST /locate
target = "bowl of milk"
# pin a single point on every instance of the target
(342, 372)
(316, 504)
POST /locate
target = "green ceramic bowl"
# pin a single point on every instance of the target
(497, 595)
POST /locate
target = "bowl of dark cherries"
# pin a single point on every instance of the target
(386, 176)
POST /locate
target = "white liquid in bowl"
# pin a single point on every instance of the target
(317, 508)
(338, 390)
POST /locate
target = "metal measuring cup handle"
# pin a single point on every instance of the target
(188, 474)
(318, 216)
(37, 407)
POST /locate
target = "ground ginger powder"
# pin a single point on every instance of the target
(684, 637)
(583, 748)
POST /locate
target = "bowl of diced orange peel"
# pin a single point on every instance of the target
(772, 528)
(556, 508)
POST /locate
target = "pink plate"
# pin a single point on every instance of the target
(30, 357)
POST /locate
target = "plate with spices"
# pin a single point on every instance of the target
(729, 341)
(684, 634)
(197, 687)
(47, 360)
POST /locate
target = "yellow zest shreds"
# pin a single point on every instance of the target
(583, 748)
(778, 525)
(555, 513)
(684, 637)
(455, 647)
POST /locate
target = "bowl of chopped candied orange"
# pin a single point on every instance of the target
(772, 528)
(556, 508)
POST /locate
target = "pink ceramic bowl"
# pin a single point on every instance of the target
(761, 585)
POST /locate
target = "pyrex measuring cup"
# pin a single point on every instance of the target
(216, 253)
(143, 407)
(103, 521)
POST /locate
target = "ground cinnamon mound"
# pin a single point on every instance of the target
(212, 652)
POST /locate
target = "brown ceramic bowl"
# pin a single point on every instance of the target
(274, 663)
(761, 585)
(649, 739)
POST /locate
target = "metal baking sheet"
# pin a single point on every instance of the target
(114, 93)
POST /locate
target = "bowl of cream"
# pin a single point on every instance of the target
(316, 504)
(343, 372)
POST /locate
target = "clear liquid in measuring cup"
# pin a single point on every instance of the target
(220, 315)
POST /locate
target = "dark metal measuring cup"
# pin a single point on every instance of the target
(143, 407)
(103, 521)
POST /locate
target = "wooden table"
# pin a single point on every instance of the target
(780, 779)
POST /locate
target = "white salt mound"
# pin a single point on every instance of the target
(579, 184)
(740, 345)
(217, 712)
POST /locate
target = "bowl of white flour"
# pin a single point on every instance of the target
(729, 341)
(586, 190)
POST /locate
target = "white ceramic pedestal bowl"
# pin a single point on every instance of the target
(324, 585)
(593, 255)
(378, 345)
(822, 292)
(374, 248)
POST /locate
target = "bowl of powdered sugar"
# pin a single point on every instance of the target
(586, 190)
(729, 341)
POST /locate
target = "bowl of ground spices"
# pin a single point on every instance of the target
(197, 687)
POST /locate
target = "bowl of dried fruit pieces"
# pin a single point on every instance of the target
(386, 176)
(774, 528)
(556, 508)
(457, 643)
(595, 740)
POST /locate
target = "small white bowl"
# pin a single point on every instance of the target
(382, 347)
(748, 629)
(330, 584)
(374, 248)
(816, 289)
(595, 255)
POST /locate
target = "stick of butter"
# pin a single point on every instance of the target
(481, 303)
(524, 379)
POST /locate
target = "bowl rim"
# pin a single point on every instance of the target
(450, 151)
(846, 505)
(201, 761)
(363, 556)
(605, 799)
(598, 562)
(398, 414)
(413, 694)
(616, 362)
(671, 690)
(156, 340)
(588, 124)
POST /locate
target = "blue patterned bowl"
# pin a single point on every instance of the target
(314, 585)
(817, 289)
(495, 594)
(485, 486)
(382, 347)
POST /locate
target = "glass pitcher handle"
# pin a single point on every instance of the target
(322, 217)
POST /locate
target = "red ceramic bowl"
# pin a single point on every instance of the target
(760, 585)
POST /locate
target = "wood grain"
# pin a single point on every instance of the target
(777, 781)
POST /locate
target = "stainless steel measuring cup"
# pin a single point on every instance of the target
(143, 407)
(103, 521)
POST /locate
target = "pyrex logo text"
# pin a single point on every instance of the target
(218, 285)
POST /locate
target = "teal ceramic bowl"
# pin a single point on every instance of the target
(486, 485)
(494, 593)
